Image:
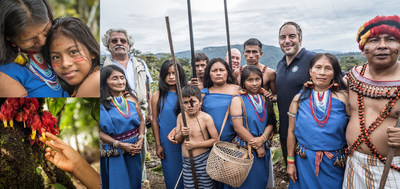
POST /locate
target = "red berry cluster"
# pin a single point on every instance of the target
(26, 110)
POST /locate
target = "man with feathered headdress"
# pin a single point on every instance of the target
(374, 91)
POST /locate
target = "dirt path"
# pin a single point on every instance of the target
(157, 179)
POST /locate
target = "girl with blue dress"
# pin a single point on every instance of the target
(121, 132)
(23, 70)
(165, 108)
(260, 120)
(317, 121)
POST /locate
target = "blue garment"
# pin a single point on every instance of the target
(172, 162)
(289, 81)
(31, 82)
(216, 104)
(123, 171)
(258, 176)
(329, 138)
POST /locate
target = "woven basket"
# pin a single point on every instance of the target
(226, 163)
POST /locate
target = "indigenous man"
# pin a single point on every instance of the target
(252, 53)
(200, 61)
(374, 89)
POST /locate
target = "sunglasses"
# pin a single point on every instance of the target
(115, 41)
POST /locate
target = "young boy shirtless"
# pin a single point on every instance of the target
(202, 135)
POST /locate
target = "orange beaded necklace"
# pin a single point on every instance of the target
(365, 132)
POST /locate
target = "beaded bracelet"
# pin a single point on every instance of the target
(237, 117)
(263, 136)
(291, 114)
(290, 160)
(116, 143)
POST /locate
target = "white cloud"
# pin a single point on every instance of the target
(326, 24)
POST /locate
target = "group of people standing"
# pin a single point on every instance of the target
(335, 130)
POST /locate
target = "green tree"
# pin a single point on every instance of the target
(346, 63)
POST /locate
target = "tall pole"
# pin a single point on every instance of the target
(227, 34)
(179, 91)
(191, 40)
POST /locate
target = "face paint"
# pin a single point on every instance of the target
(80, 59)
(56, 65)
(58, 44)
(191, 102)
(366, 51)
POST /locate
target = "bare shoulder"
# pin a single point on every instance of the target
(10, 87)
(233, 89)
(236, 73)
(341, 95)
(296, 97)
(155, 95)
(90, 87)
(205, 116)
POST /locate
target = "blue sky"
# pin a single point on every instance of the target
(326, 24)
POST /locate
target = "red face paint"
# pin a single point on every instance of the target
(58, 44)
(80, 59)
(55, 65)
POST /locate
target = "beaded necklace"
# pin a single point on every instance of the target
(365, 132)
(40, 69)
(321, 107)
(370, 88)
(258, 105)
(122, 106)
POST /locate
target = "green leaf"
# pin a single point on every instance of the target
(58, 186)
(56, 105)
(38, 170)
(276, 155)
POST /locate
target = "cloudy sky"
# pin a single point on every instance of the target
(326, 24)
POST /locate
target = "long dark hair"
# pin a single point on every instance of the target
(14, 17)
(163, 87)
(337, 76)
(75, 29)
(105, 89)
(207, 82)
(268, 103)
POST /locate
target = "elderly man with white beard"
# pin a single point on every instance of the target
(119, 43)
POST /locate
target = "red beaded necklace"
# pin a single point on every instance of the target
(365, 132)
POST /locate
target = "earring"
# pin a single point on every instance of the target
(242, 91)
(21, 58)
(334, 86)
(309, 84)
(262, 91)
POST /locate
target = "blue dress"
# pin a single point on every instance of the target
(258, 175)
(216, 104)
(328, 140)
(172, 162)
(123, 171)
(31, 82)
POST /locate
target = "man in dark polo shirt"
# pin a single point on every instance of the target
(291, 74)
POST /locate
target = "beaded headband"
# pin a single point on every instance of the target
(379, 25)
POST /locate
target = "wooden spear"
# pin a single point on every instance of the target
(179, 92)
(191, 40)
(227, 34)
(389, 159)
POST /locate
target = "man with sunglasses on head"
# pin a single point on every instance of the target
(119, 43)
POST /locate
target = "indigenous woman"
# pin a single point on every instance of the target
(165, 108)
(23, 71)
(219, 88)
(121, 134)
(317, 120)
(73, 52)
(260, 120)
